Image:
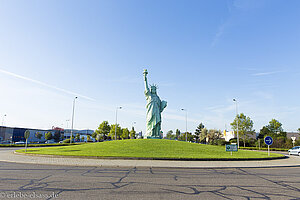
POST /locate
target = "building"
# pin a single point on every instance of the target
(228, 135)
(289, 135)
(67, 133)
(16, 134)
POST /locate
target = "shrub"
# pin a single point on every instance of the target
(66, 141)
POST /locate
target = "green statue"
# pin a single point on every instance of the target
(154, 108)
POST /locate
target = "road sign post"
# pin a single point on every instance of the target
(293, 140)
(268, 141)
(231, 147)
(26, 135)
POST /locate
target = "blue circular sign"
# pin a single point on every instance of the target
(268, 140)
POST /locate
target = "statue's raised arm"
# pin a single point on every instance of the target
(146, 81)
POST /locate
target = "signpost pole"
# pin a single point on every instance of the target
(26, 136)
(268, 150)
(26, 145)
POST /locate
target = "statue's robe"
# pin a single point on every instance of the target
(154, 108)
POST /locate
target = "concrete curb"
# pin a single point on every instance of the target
(142, 158)
(10, 156)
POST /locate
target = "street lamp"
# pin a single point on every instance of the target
(67, 122)
(72, 119)
(3, 119)
(237, 119)
(183, 109)
(119, 107)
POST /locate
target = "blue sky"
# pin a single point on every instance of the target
(202, 54)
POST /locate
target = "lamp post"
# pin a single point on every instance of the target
(119, 107)
(183, 109)
(237, 127)
(72, 119)
(3, 119)
(67, 122)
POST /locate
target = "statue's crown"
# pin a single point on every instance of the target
(154, 86)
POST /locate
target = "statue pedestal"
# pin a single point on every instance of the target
(154, 137)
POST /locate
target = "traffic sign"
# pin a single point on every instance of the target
(26, 134)
(231, 147)
(268, 140)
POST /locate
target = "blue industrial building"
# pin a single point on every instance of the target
(16, 134)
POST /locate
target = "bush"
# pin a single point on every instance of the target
(264, 149)
(66, 141)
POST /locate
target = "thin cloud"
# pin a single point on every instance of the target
(266, 73)
(45, 84)
(219, 33)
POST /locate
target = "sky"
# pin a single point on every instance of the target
(201, 54)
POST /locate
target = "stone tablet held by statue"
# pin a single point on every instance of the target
(154, 109)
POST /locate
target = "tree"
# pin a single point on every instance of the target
(56, 136)
(48, 136)
(245, 126)
(77, 137)
(38, 135)
(103, 130)
(112, 132)
(275, 126)
(275, 130)
(94, 135)
(132, 133)
(125, 133)
(88, 138)
(170, 135)
(177, 133)
(198, 132)
(263, 132)
(213, 135)
(203, 135)
(190, 137)
(298, 130)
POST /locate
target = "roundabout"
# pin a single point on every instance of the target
(77, 178)
(69, 156)
(151, 149)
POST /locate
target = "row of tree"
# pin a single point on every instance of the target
(242, 123)
(106, 131)
(49, 136)
(274, 129)
(247, 134)
(201, 135)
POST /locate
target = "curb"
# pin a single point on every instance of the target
(141, 158)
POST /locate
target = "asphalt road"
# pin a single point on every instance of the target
(67, 182)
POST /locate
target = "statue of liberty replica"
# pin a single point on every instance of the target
(154, 108)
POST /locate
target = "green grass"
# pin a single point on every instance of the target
(149, 149)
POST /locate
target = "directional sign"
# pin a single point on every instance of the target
(26, 134)
(268, 140)
(231, 147)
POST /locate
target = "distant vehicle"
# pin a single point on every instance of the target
(295, 150)
(49, 142)
(5, 142)
(20, 142)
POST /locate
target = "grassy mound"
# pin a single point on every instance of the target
(148, 148)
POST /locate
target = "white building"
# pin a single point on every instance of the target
(228, 135)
